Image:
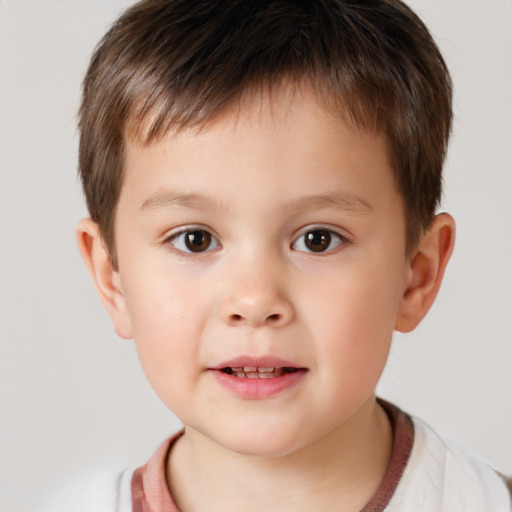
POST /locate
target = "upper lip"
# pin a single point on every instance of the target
(258, 362)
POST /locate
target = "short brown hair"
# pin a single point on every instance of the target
(174, 64)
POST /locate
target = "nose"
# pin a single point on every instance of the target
(255, 299)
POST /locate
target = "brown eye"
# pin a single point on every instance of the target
(318, 240)
(197, 240)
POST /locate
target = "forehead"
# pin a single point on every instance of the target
(284, 139)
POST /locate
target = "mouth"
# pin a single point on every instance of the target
(257, 378)
(256, 372)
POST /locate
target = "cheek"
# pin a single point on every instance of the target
(166, 321)
(160, 301)
(354, 316)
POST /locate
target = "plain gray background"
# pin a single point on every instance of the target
(73, 399)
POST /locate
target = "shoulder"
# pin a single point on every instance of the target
(442, 477)
(116, 491)
(100, 492)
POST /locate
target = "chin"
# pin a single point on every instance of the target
(261, 442)
(261, 450)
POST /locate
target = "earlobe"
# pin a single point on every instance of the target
(106, 280)
(425, 272)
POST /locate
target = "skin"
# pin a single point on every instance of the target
(257, 181)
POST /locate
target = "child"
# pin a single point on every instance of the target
(263, 178)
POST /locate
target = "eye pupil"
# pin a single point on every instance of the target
(198, 241)
(318, 240)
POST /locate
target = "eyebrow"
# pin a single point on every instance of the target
(168, 199)
(344, 201)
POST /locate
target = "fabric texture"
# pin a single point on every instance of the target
(403, 439)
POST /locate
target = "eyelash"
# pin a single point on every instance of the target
(191, 230)
(327, 236)
(324, 236)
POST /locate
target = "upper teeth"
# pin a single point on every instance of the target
(252, 372)
(238, 369)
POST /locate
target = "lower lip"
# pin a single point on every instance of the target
(258, 389)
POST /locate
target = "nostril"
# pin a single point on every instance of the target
(235, 318)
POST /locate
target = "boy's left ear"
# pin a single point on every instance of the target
(425, 273)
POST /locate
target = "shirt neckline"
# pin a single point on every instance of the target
(150, 492)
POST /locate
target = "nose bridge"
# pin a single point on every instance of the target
(254, 291)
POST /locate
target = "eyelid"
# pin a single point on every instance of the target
(321, 227)
(175, 233)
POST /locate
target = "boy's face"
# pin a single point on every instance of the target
(273, 238)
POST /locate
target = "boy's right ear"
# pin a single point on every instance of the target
(106, 279)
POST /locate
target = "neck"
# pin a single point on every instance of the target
(341, 471)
